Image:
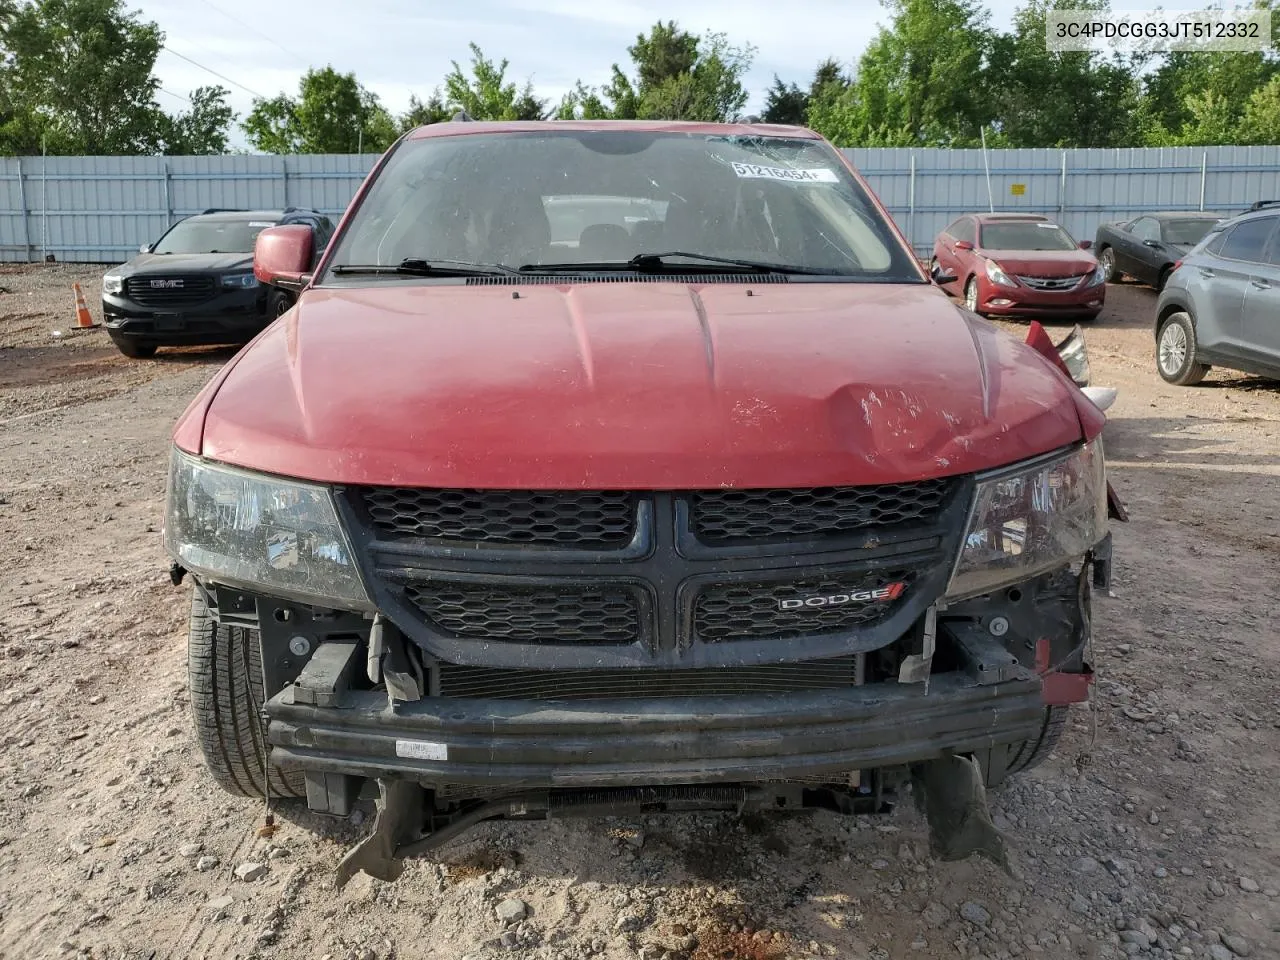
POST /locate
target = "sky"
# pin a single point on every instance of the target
(400, 47)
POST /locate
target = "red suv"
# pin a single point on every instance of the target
(605, 467)
(1019, 265)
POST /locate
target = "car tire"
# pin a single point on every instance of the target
(135, 350)
(278, 304)
(1025, 754)
(1107, 257)
(224, 666)
(1176, 352)
(971, 295)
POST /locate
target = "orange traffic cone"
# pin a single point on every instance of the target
(84, 319)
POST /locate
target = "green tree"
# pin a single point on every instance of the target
(1261, 121)
(487, 94)
(421, 113)
(78, 75)
(203, 129)
(1059, 99)
(332, 113)
(785, 104)
(678, 76)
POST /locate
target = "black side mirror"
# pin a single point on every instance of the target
(1152, 243)
(940, 276)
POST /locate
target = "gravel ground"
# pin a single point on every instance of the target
(1152, 832)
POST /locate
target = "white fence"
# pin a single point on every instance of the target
(100, 209)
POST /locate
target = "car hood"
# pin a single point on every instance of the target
(1043, 263)
(633, 385)
(162, 263)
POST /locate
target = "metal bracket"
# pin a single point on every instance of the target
(401, 813)
(1100, 557)
(916, 667)
(327, 675)
(986, 658)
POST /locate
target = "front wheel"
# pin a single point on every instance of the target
(279, 303)
(224, 666)
(971, 295)
(1008, 759)
(1107, 257)
(136, 350)
(1177, 354)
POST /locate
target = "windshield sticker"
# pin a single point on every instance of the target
(260, 223)
(754, 171)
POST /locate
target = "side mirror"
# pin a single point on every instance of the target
(1086, 244)
(145, 248)
(963, 245)
(940, 276)
(283, 255)
(1151, 243)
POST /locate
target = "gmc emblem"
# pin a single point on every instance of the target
(167, 284)
(888, 592)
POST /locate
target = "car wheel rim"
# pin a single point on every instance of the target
(1108, 263)
(971, 296)
(1173, 349)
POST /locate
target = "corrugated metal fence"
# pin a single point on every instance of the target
(100, 209)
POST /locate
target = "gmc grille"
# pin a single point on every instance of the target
(193, 290)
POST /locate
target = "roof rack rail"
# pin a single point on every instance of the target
(1259, 204)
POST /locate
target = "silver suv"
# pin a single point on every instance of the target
(1221, 305)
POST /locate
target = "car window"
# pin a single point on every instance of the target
(211, 236)
(1145, 228)
(1213, 243)
(1248, 239)
(962, 229)
(1025, 235)
(1187, 233)
(574, 196)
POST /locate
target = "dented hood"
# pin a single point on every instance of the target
(634, 385)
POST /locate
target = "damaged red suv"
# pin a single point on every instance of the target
(606, 467)
(1019, 265)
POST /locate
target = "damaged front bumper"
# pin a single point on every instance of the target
(522, 744)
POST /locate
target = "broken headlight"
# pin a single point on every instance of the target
(249, 529)
(1030, 520)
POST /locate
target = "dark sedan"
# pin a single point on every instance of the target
(1147, 248)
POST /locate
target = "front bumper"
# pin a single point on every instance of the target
(508, 744)
(1022, 301)
(232, 316)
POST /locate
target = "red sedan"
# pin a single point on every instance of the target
(1019, 265)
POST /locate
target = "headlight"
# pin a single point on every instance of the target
(1076, 357)
(247, 529)
(111, 283)
(997, 275)
(1028, 521)
(239, 280)
(1098, 276)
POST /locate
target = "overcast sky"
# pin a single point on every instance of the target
(399, 47)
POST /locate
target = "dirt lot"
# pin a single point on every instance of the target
(1154, 831)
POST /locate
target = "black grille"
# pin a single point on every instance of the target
(487, 682)
(747, 611)
(725, 516)
(550, 518)
(192, 290)
(546, 616)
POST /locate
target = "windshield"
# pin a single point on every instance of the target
(211, 236)
(604, 197)
(1025, 235)
(1187, 232)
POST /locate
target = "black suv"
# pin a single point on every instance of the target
(195, 285)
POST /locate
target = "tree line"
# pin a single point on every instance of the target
(77, 77)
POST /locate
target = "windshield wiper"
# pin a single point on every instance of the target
(658, 263)
(415, 267)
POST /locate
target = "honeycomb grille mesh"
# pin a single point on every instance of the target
(530, 517)
(727, 516)
(749, 611)
(479, 612)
